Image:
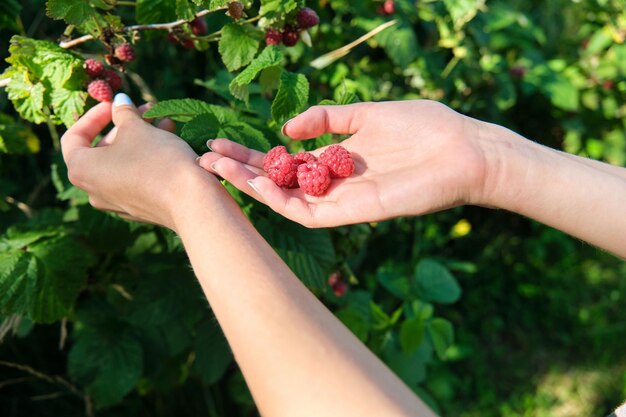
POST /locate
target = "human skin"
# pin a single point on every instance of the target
(417, 157)
(297, 358)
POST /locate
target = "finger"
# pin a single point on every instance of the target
(167, 125)
(108, 139)
(124, 111)
(236, 151)
(235, 172)
(83, 132)
(318, 120)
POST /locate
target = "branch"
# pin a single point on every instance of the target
(154, 26)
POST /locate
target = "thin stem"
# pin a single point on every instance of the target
(125, 3)
(56, 140)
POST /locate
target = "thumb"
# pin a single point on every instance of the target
(124, 110)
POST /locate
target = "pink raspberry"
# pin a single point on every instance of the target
(290, 36)
(313, 178)
(125, 52)
(304, 157)
(93, 68)
(100, 90)
(281, 167)
(307, 18)
(114, 80)
(273, 37)
(338, 160)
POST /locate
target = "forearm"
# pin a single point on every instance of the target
(578, 197)
(297, 358)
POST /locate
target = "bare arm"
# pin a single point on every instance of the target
(297, 358)
(417, 157)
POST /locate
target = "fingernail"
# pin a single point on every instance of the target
(208, 143)
(251, 184)
(122, 99)
(282, 129)
(198, 160)
(212, 166)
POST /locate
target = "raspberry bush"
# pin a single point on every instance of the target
(124, 329)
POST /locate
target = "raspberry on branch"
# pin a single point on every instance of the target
(307, 18)
(313, 178)
(290, 36)
(114, 80)
(199, 26)
(273, 37)
(125, 52)
(338, 160)
(100, 90)
(93, 68)
(235, 10)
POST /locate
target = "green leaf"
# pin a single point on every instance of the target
(74, 12)
(155, 11)
(238, 45)
(356, 315)
(442, 335)
(380, 319)
(410, 368)
(462, 11)
(108, 360)
(180, 110)
(275, 9)
(9, 13)
(222, 124)
(68, 105)
(16, 138)
(270, 57)
(394, 281)
(435, 283)
(200, 129)
(213, 355)
(292, 96)
(35, 280)
(400, 43)
(308, 252)
(411, 334)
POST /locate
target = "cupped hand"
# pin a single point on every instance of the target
(411, 158)
(137, 170)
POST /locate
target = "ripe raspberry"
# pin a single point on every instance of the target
(290, 36)
(304, 157)
(313, 178)
(281, 167)
(338, 160)
(100, 90)
(93, 68)
(114, 80)
(307, 18)
(340, 288)
(235, 10)
(387, 8)
(125, 52)
(199, 26)
(273, 37)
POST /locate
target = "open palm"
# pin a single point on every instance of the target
(411, 158)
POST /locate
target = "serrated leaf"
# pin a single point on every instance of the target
(16, 138)
(442, 335)
(394, 281)
(435, 283)
(180, 110)
(274, 9)
(35, 280)
(109, 361)
(411, 334)
(68, 105)
(213, 355)
(238, 45)
(400, 43)
(200, 129)
(292, 96)
(271, 56)
(74, 12)
(410, 368)
(308, 252)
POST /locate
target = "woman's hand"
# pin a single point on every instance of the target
(411, 158)
(138, 171)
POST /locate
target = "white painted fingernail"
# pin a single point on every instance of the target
(251, 184)
(122, 99)
(208, 143)
(282, 129)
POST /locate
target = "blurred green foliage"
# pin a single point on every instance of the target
(537, 329)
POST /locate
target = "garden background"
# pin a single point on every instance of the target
(482, 312)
